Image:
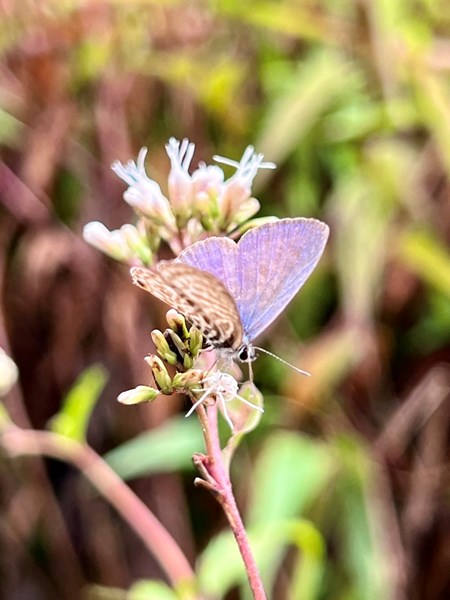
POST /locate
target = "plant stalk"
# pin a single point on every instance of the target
(155, 537)
(217, 480)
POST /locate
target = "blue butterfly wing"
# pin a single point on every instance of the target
(273, 263)
(217, 255)
(265, 269)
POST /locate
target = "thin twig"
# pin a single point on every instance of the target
(155, 537)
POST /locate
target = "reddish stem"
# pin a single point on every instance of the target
(155, 537)
(218, 481)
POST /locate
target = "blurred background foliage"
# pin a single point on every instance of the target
(345, 484)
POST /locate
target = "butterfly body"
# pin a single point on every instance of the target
(233, 291)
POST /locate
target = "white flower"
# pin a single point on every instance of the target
(247, 167)
(144, 194)
(180, 182)
(109, 242)
(235, 202)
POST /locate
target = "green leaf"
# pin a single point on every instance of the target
(221, 568)
(73, 418)
(290, 472)
(360, 525)
(168, 448)
(312, 90)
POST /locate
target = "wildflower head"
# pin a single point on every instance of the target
(197, 204)
(145, 196)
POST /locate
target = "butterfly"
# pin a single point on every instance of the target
(232, 291)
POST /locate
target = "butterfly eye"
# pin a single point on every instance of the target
(246, 353)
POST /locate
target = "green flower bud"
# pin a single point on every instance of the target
(160, 373)
(188, 361)
(191, 378)
(163, 348)
(139, 394)
(137, 242)
(177, 323)
(174, 340)
(195, 341)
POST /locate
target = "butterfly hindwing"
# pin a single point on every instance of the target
(197, 295)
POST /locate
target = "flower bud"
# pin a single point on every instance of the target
(195, 341)
(188, 361)
(111, 243)
(8, 372)
(246, 210)
(160, 373)
(162, 347)
(178, 346)
(191, 378)
(177, 323)
(136, 242)
(139, 394)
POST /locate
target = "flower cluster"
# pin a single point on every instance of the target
(180, 347)
(197, 205)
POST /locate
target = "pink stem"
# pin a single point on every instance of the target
(221, 483)
(155, 537)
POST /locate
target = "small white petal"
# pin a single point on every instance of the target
(8, 372)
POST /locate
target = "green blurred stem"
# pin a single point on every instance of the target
(217, 480)
(159, 542)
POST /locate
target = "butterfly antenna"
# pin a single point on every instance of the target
(283, 361)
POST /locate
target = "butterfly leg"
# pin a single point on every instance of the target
(255, 406)
(198, 402)
(223, 402)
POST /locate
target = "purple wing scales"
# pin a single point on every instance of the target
(288, 253)
(265, 269)
(216, 256)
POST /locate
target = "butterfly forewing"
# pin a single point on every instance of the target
(197, 295)
(283, 255)
(265, 269)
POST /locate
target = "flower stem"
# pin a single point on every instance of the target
(217, 480)
(155, 537)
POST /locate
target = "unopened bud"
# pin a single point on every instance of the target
(195, 341)
(246, 210)
(177, 322)
(109, 242)
(160, 373)
(139, 394)
(162, 347)
(191, 378)
(181, 349)
(137, 242)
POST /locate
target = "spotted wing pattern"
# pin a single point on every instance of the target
(198, 296)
